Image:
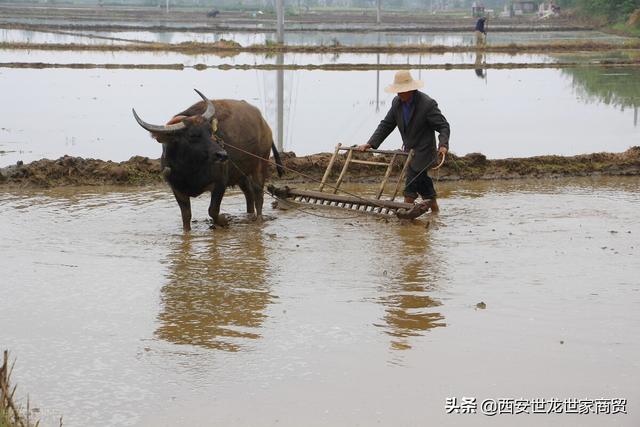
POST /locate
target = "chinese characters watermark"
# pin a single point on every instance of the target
(491, 407)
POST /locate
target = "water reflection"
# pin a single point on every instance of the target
(319, 108)
(308, 38)
(409, 308)
(480, 63)
(165, 37)
(55, 36)
(217, 290)
(611, 86)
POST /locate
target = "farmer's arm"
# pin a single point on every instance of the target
(386, 126)
(438, 122)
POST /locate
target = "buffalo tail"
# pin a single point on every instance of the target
(276, 156)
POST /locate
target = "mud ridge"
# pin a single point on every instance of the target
(326, 67)
(137, 171)
(267, 26)
(226, 46)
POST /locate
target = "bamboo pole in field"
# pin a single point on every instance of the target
(344, 171)
(329, 166)
(386, 177)
(404, 171)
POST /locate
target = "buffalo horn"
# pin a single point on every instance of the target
(164, 129)
(210, 111)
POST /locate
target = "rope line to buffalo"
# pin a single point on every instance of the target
(298, 208)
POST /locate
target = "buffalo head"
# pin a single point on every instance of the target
(191, 136)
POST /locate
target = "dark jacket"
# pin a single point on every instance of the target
(424, 118)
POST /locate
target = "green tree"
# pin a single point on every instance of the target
(614, 10)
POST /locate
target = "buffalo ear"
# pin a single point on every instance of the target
(176, 119)
(162, 139)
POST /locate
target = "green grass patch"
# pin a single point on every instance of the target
(625, 29)
(4, 421)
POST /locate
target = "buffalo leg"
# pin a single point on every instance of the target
(214, 207)
(185, 209)
(258, 195)
(247, 189)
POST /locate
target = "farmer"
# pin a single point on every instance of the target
(417, 117)
(481, 32)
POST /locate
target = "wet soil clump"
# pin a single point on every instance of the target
(68, 171)
(72, 171)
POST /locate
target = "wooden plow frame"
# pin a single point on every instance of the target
(331, 198)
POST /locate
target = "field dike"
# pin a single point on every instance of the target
(328, 67)
(139, 171)
(226, 47)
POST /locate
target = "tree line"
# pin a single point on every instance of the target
(612, 10)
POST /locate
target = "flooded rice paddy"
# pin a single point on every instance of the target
(285, 59)
(501, 113)
(306, 38)
(119, 318)
(522, 289)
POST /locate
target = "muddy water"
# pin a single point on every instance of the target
(309, 38)
(373, 38)
(24, 36)
(118, 318)
(501, 113)
(249, 59)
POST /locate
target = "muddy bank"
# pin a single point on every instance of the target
(225, 47)
(70, 171)
(86, 66)
(269, 27)
(328, 67)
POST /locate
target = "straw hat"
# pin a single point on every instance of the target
(403, 82)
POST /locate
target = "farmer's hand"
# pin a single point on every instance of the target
(442, 151)
(363, 147)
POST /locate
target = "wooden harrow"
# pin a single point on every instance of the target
(330, 196)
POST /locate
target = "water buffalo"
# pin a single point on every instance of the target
(195, 158)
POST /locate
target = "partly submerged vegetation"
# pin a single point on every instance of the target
(11, 414)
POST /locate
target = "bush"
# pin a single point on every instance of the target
(634, 19)
(614, 10)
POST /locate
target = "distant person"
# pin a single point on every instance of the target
(479, 64)
(481, 31)
(417, 116)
